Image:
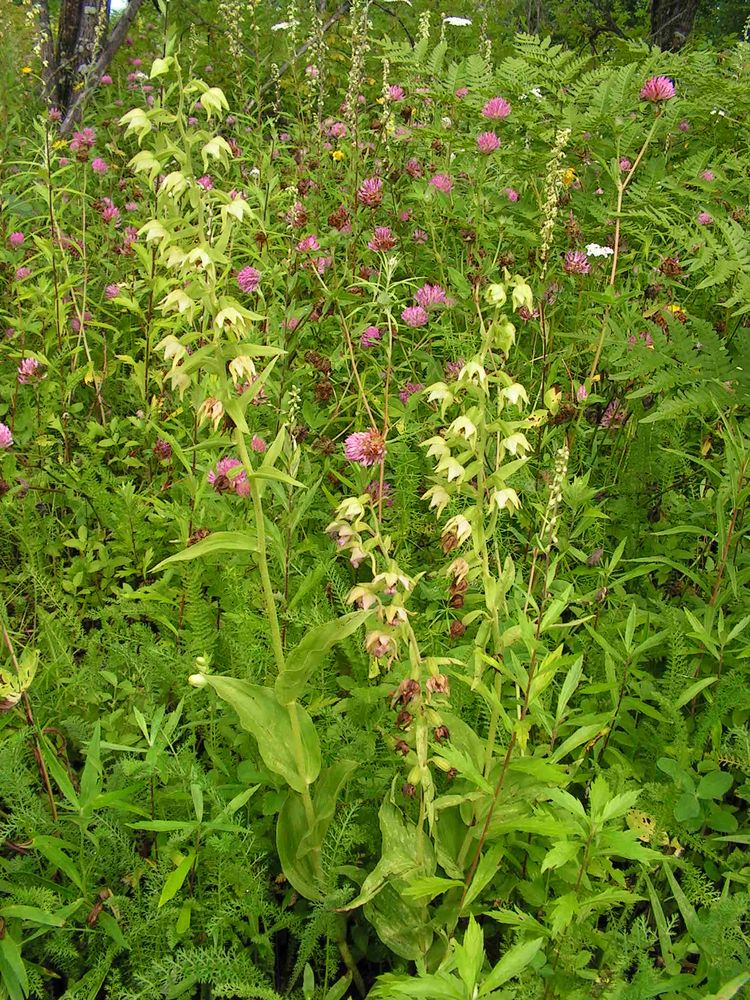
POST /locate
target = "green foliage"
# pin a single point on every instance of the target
(406, 663)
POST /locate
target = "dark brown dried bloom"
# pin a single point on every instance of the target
(407, 689)
(595, 558)
(198, 536)
(457, 628)
(402, 747)
(441, 734)
(403, 719)
(323, 390)
(325, 445)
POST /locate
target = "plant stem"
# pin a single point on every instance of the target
(260, 529)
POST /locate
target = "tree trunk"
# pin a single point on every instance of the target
(672, 22)
(74, 63)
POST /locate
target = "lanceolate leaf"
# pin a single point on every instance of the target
(309, 653)
(259, 711)
(219, 541)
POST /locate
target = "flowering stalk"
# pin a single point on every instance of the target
(622, 185)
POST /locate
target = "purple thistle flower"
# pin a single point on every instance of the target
(487, 142)
(162, 449)
(307, 244)
(430, 296)
(442, 182)
(373, 488)
(222, 480)
(382, 239)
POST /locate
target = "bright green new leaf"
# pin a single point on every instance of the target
(218, 541)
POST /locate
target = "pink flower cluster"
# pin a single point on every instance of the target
(6, 438)
(442, 182)
(657, 88)
(370, 192)
(29, 370)
(408, 390)
(576, 262)
(487, 142)
(223, 481)
(365, 447)
(248, 279)
(369, 337)
(382, 240)
(84, 139)
(496, 107)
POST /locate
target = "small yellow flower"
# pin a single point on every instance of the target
(338, 155)
(569, 177)
(26, 70)
(59, 144)
(381, 100)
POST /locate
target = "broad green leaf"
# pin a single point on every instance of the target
(486, 871)
(92, 771)
(271, 724)
(430, 886)
(175, 879)
(398, 854)
(51, 848)
(561, 854)
(469, 956)
(512, 964)
(401, 925)
(714, 785)
(17, 911)
(339, 988)
(112, 929)
(291, 826)
(297, 840)
(12, 969)
(694, 690)
(309, 653)
(219, 541)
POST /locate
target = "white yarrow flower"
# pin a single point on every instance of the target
(594, 250)
(281, 25)
(457, 22)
